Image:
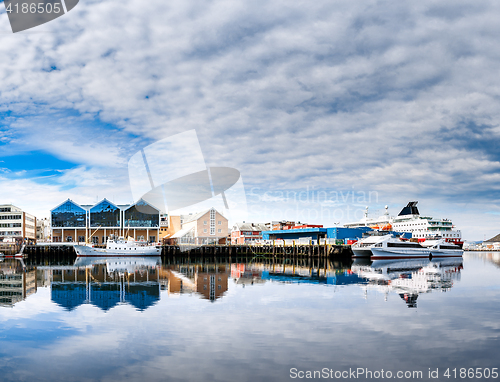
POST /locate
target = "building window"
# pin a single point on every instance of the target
(212, 222)
(219, 230)
(68, 214)
(205, 230)
(204, 222)
(220, 222)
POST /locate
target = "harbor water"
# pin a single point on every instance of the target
(250, 319)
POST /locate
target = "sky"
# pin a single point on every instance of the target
(323, 107)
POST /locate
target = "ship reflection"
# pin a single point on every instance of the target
(409, 277)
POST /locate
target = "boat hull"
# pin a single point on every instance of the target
(84, 251)
(400, 253)
(361, 252)
(447, 252)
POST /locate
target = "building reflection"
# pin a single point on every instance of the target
(492, 257)
(16, 281)
(209, 281)
(105, 283)
(298, 271)
(409, 277)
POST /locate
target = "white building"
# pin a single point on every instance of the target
(15, 224)
(43, 230)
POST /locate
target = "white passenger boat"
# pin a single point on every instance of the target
(363, 247)
(442, 248)
(394, 248)
(119, 248)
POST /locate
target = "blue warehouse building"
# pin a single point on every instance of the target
(316, 233)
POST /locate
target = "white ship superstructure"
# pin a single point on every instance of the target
(410, 220)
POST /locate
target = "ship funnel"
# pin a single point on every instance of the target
(410, 209)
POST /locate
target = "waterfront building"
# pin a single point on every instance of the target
(492, 244)
(71, 222)
(170, 227)
(42, 230)
(16, 224)
(206, 227)
(248, 233)
(315, 233)
(282, 225)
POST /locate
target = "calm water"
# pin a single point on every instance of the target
(145, 320)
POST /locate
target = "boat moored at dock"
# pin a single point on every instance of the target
(119, 248)
(443, 248)
(394, 248)
(363, 247)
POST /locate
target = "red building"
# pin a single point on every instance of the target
(247, 233)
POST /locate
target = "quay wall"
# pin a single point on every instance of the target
(306, 250)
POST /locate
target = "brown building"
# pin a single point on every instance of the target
(205, 227)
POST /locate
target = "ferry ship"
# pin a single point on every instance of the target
(394, 248)
(410, 220)
(119, 248)
(363, 247)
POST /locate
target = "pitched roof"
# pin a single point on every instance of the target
(194, 217)
(494, 239)
(251, 227)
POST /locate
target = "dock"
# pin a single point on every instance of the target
(294, 250)
(9, 249)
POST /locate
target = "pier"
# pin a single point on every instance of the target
(9, 249)
(293, 250)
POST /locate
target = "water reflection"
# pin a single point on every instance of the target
(108, 282)
(409, 278)
(299, 271)
(209, 281)
(16, 281)
(105, 283)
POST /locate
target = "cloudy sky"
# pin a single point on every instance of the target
(349, 103)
